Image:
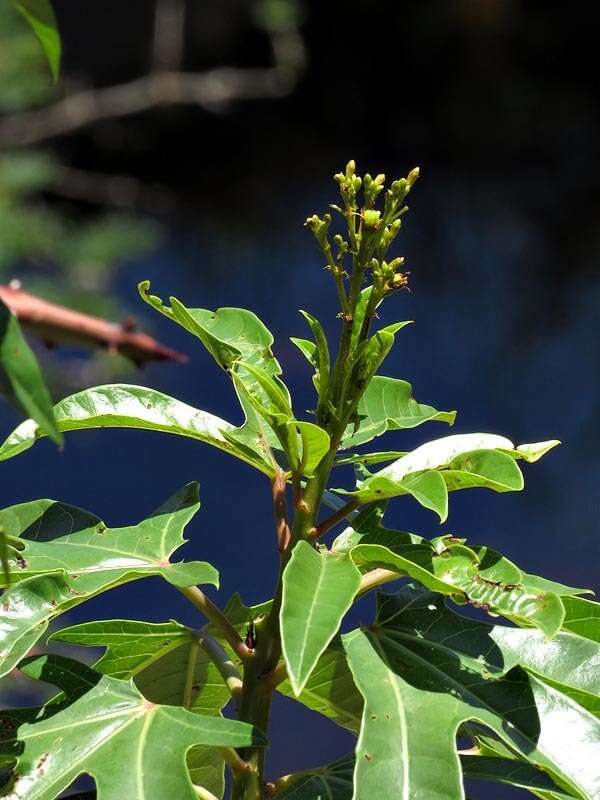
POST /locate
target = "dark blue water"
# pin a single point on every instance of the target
(492, 339)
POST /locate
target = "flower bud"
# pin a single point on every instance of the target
(372, 218)
(350, 168)
(412, 176)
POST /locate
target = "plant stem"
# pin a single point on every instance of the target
(377, 577)
(215, 615)
(225, 666)
(190, 671)
(339, 516)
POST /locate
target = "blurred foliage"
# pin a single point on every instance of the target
(58, 249)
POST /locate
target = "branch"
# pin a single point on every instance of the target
(213, 90)
(280, 508)
(214, 614)
(333, 520)
(225, 666)
(377, 577)
(56, 324)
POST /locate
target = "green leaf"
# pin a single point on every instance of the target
(314, 445)
(333, 782)
(114, 731)
(21, 380)
(55, 537)
(388, 404)
(582, 617)
(407, 742)
(92, 559)
(230, 335)
(369, 458)
(462, 461)
(510, 772)
(320, 355)
(125, 406)
(157, 657)
(330, 690)
(40, 15)
(318, 589)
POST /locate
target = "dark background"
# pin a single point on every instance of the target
(497, 102)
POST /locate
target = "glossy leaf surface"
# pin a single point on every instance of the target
(318, 589)
(407, 742)
(126, 406)
(118, 737)
(463, 461)
(158, 657)
(21, 380)
(93, 560)
(388, 404)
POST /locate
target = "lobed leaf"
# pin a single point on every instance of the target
(407, 749)
(318, 589)
(89, 559)
(115, 735)
(157, 656)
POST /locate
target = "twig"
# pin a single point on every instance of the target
(333, 520)
(282, 527)
(56, 324)
(213, 90)
(225, 666)
(233, 758)
(213, 614)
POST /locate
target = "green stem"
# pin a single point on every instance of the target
(225, 666)
(215, 615)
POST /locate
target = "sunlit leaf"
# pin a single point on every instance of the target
(117, 736)
(157, 657)
(388, 404)
(125, 406)
(21, 380)
(318, 589)
(462, 461)
(91, 558)
(407, 744)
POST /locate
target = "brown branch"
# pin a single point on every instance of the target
(280, 508)
(339, 516)
(56, 324)
(213, 90)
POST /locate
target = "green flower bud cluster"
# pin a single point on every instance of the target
(370, 233)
